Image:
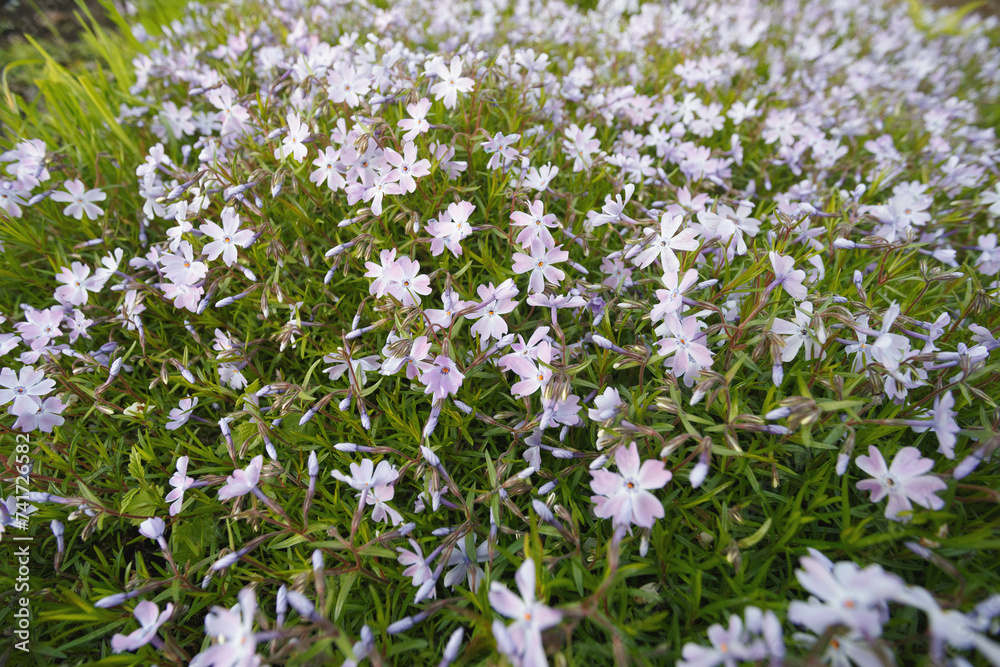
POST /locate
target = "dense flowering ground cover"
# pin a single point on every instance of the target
(484, 331)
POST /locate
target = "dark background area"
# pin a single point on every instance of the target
(40, 18)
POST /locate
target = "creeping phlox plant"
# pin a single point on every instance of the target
(509, 332)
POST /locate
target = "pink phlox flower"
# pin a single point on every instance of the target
(799, 335)
(684, 340)
(237, 645)
(905, 482)
(787, 276)
(670, 301)
(328, 169)
(538, 179)
(182, 267)
(379, 286)
(442, 317)
(374, 189)
(942, 422)
(729, 225)
(541, 263)
(292, 144)
(500, 150)
(661, 245)
(417, 123)
(531, 617)
(451, 227)
(150, 619)
(365, 476)
(618, 274)
(559, 411)
(536, 225)
(415, 359)
(181, 483)
(347, 85)
(843, 594)
(80, 200)
(613, 210)
(41, 415)
(416, 565)
(183, 295)
(625, 496)
(581, 145)
(181, 414)
(76, 284)
(226, 240)
(890, 349)
(525, 350)
(406, 166)
(556, 301)
(464, 566)
(730, 646)
(242, 482)
(606, 405)
(949, 627)
(442, 379)
(362, 167)
(380, 497)
(405, 283)
(444, 153)
(534, 376)
(493, 306)
(22, 388)
(861, 350)
(450, 83)
(360, 366)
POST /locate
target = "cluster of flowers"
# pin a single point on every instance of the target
(717, 229)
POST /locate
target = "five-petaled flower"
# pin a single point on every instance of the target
(625, 496)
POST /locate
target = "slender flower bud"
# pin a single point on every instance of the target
(700, 470)
(58, 530)
(452, 647)
(598, 462)
(281, 606)
(303, 606)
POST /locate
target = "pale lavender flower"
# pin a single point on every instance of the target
(450, 83)
(844, 594)
(80, 200)
(442, 379)
(943, 424)
(226, 240)
(530, 616)
(625, 496)
(237, 643)
(661, 245)
(787, 276)
(606, 405)
(730, 646)
(905, 482)
(22, 388)
(465, 567)
(150, 619)
(292, 143)
(541, 263)
(536, 225)
(181, 483)
(242, 482)
(180, 415)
